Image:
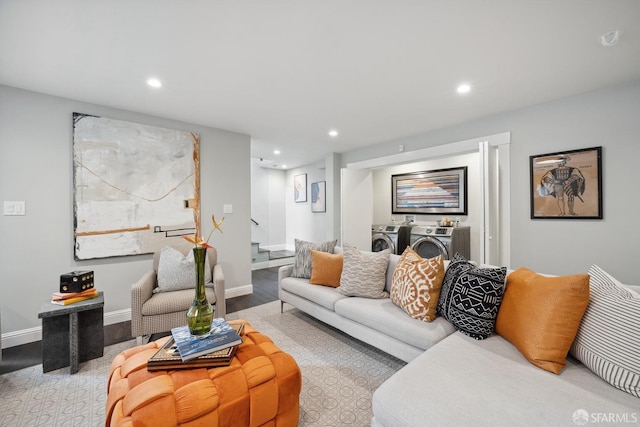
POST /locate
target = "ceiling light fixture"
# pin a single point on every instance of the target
(463, 88)
(284, 166)
(611, 38)
(333, 133)
(153, 82)
(276, 151)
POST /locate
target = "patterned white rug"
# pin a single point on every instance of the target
(30, 398)
(339, 375)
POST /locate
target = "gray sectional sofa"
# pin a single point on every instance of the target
(378, 322)
(452, 379)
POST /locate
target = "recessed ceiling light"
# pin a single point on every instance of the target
(333, 133)
(284, 166)
(463, 88)
(276, 151)
(153, 82)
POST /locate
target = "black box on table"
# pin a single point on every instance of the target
(76, 281)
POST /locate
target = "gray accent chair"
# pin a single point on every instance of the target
(153, 313)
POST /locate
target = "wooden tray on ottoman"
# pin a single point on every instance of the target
(261, 385)
(167, 357)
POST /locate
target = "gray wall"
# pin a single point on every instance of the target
(281, 219)
(36, 166)
(301, 223)
(607, 118)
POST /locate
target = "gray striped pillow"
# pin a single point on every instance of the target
(302, 260)
(608, 339)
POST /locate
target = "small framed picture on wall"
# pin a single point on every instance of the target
(300, 188)
(318, 197)
(567, 184)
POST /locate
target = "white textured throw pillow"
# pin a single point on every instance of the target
(608, 341)
(364, 274)
(177, 271)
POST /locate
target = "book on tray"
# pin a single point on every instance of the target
(222, 336)
(66, 298)
(167, 357)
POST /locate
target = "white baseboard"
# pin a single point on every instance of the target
(238, 291)
(26, 336)
(117, 316)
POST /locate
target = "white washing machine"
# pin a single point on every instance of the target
(390, 236)
(430, 241)
(384, 236)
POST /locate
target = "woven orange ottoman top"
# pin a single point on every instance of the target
(260, 387)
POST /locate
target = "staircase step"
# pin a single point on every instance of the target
(259, 254)
(281, 254)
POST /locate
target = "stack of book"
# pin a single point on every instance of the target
(66, 298)
(182, 351)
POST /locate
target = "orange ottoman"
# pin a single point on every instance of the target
(260, 387)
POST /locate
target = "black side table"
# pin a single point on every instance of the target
(72, 333)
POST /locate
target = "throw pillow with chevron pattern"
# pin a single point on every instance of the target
(416, 284)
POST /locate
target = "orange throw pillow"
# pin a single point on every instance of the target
(541, 315)
(326, 269)
(416, 285)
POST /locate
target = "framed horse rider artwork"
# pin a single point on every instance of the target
(567, 184)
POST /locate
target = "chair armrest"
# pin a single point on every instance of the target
(219, 290)
(141, 291)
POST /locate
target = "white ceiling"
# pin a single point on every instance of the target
(285, 72)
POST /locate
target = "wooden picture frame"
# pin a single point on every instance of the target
(300, 188)
(566, 184)
(318, 196)
(437, 192)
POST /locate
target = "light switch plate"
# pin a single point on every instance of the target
(228, 209)
(12, 208)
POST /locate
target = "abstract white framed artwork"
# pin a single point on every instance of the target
(300, 188)
(136, 187)
(318, 197)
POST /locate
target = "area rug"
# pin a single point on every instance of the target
(30, 398)
(339, 375)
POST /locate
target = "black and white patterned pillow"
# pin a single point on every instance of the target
(457, 265)
(302, 261)
(608, 340)
(471, 296)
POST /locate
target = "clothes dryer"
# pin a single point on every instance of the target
(430, 241)
(390, 236)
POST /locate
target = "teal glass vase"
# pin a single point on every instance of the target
(200, 314)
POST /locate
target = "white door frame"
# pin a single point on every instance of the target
(495, 244)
